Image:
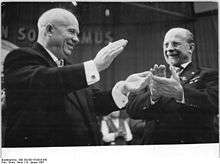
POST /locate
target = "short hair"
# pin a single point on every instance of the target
(52, 15)
(190, 37)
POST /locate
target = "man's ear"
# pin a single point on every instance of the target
(191, 47)
(49, 29)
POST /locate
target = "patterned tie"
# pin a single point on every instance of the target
(179, 70)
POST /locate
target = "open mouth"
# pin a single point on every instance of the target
(172, 55)
(70, 45)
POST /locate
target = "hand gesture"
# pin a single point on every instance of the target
(168, 87)
(156, 71)
(107, 54)
(159, 71)
(136, 83)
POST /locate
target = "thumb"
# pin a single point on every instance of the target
(145, 74)
(175, 76)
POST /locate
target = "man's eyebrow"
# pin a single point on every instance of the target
(73, 30)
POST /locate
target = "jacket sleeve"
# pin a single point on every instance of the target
(139, 107)
(102, 101)
(28, 70)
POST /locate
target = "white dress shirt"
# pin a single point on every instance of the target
(110, 137)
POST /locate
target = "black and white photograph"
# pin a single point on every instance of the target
(109, 75)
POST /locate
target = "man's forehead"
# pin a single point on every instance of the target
(179, 34)
(68, 21)
(65, 20)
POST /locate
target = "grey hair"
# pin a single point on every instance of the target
(51, 16)
(190, 37)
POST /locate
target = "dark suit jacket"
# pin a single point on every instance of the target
(171, 122)
(47, 105)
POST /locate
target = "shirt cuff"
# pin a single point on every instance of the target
(183, 100)
(91, 72)
(152, 102)
(117, 93)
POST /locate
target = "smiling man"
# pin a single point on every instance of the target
(51, 102)
(184, 107)
(178, 47)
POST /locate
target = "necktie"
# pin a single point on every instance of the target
(179, 70)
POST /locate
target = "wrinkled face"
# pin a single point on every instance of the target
(64, 37)
(176, 49)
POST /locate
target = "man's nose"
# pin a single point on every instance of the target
(170, 48)
(75, 39)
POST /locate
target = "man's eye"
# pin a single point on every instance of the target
(175, 44)
(166, 45)
(72, 32)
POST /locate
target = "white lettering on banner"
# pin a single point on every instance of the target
(25, 33)
(86, 38)
(98, 38)
(31, 35)
(89, 36)
(108, 37)
(21, 34)
(5, 31)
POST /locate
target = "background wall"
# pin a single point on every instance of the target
(142, 24)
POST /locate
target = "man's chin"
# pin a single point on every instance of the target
(174, 63)
(68, 53)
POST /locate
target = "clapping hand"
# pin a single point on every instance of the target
(168, 87)
(136, 83)
(107, 54)
(160, 72)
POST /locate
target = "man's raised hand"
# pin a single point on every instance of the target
(107, 54)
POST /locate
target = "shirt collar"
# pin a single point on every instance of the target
(55, 59)
(183, 66)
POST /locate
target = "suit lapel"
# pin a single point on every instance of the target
(43, 52)
(188, 73)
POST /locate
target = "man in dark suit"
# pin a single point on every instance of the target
(48, 102)
(182, 108)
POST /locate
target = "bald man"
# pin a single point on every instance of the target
(182, 108)
(49, 101)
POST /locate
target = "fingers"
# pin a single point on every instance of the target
(136, 85)
(162, 71)
(117, 44)
(159, 70)
(115, 52)
(158, 79)
(115, 48)
(156, 69)
(174, 74)
(107, 54)
(145, 74)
